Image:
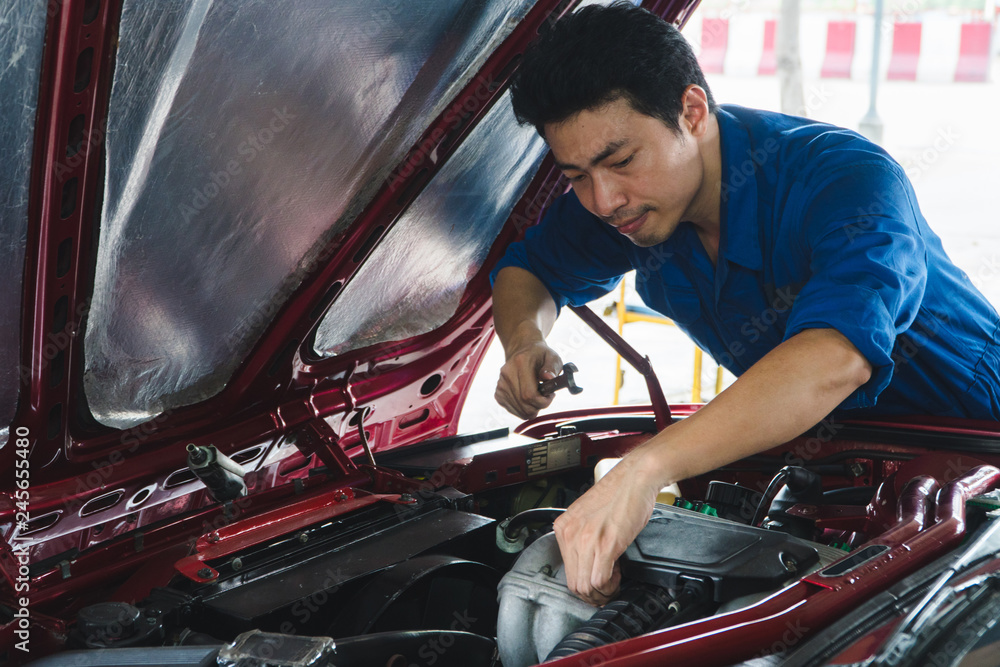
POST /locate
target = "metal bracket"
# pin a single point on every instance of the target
(318, 437)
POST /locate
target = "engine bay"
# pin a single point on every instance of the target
(443, 553)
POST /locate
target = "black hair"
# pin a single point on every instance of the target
(599, 54)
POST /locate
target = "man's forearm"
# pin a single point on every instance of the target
(791, 389)
(523, 310)
(523, 313)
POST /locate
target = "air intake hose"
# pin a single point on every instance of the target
(639, 609)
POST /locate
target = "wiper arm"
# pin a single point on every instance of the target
(915, 625)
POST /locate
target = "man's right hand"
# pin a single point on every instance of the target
(523, 311)
(517, 389)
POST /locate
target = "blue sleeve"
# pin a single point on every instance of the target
(573, 253)
(868, 266)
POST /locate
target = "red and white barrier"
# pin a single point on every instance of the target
(933, 49)
(768, 59)
(839, 50)
(905, 51)
(974, 52)
(714, 41)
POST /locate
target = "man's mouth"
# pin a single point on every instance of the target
(632, 225)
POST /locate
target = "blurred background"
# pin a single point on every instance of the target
(935, 111)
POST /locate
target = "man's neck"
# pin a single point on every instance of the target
(704, 212)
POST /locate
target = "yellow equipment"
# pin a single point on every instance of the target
(626, 315)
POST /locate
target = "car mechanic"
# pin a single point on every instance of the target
(793, 251)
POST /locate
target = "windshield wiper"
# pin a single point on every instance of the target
(916, 630)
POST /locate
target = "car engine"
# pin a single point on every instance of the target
(466, 558)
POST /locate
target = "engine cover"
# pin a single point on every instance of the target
(738, 559)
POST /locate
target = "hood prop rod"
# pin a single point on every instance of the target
(661, 409)
(363, 435)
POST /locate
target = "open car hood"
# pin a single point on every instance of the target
(236, 221)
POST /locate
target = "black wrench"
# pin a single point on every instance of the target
(563, 381)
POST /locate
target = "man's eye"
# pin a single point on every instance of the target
(575, 179)
(623, 162)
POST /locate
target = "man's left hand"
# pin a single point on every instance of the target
(600, 525)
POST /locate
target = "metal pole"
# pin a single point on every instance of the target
(871, 124)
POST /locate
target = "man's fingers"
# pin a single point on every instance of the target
(593, 577)
(508, 394)
(508, 398)
(568, 553)
(602, 580)
(508, 403)
(551, 366)
(527, 384)
(578, 563)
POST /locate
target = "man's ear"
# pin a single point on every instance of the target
(694, 111)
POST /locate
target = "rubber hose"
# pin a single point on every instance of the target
(513, 535)
(639, 609)
(538, 514)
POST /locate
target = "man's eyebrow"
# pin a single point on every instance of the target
(607, 150)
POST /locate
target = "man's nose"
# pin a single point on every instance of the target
(608, 197)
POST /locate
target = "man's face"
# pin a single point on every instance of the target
(629, 169)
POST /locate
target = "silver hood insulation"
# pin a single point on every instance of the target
(22, 36)
(414, 280)
(241, 137)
